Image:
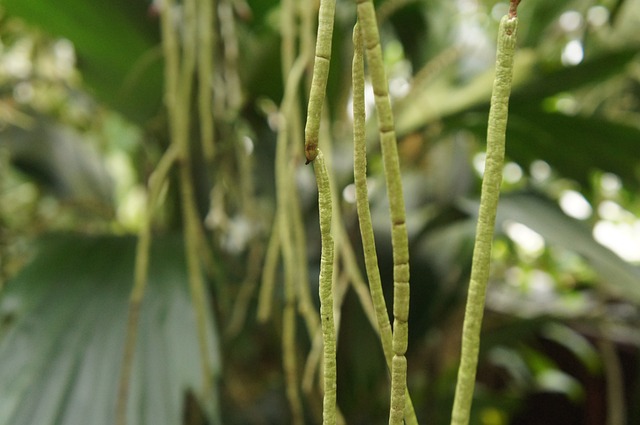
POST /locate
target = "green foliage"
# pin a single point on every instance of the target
(117, 43)
(64, 325)
(578, 120)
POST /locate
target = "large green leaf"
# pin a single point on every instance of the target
(618, 278)
(575, 146)
(117, 48)
(64, 317)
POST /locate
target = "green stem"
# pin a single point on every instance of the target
(141, 271)
(326, 294)
(364, 212)
(486, 219)
(319, 79)
(206, 25)
(399, 237)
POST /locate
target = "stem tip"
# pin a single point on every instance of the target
(513, 8)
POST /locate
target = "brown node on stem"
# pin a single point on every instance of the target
(513, 8)
(310, 151)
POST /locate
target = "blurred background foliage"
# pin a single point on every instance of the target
(83, 125)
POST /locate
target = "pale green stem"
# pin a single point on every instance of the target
(206, 31)
(490, 193)
(265, 299)
(364, 213)
(326, 293)
(319, 79)
(614, 375)
(399, 237)
(141, 271)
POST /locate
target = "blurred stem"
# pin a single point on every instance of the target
(486, 219)
(141, 271)
(399, 237)
(293, 72)
(615, 383)
(206, 31)
(364, 212)
(265, 298)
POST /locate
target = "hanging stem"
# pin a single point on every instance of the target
(399, 237)
(326, 294)
(364, 212)
(486, 217)
(206, 31)
(319, 79)
(141, 271)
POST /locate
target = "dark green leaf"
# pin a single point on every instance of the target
(117, 47)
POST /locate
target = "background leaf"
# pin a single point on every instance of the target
(65, 316)
(117, 45)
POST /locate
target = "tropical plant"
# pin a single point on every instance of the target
(181, 122)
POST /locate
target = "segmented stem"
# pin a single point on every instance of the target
(399, 237)
(486, 218)
(364, 212)
(319, 79)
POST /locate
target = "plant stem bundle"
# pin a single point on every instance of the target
(486, 217)
(399, 237)
(364, 213)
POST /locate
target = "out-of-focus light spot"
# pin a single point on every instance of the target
(567, 105)
(349, 193)
(468, 6)
(575, 205)
(393, 52)
(17, 62)
(248, 145)
(621, 238)
(130, 212)
(570, 21)
(598, 16)
(610, 184)
(573, 53)
(492, 416)
(540, 170)
(610, 210)
(478, 162)
(23, 92)
(65, 57)
(512, 173)
(528, 240)
(398, 87)
(499, 10)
